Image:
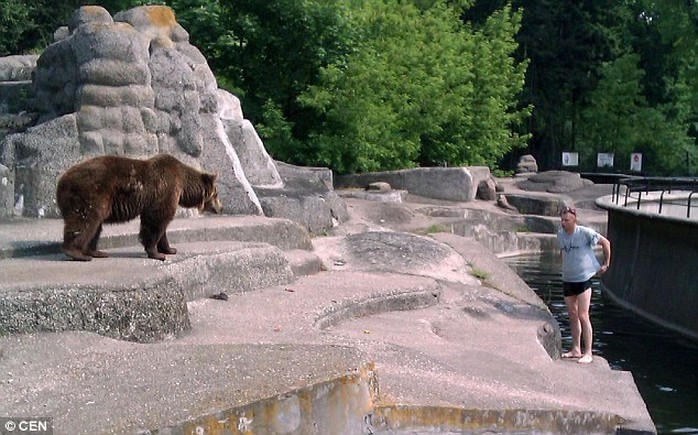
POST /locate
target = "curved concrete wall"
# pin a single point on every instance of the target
(654, 268)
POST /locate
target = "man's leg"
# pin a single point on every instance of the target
(583, 304)
(575, 327)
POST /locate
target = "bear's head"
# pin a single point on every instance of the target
(210, 202)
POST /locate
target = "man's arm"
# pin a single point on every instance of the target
(606, 249)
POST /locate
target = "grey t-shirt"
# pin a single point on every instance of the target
(579, 262)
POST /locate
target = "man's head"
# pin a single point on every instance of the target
(568, 218)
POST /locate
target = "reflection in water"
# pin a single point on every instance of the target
(664, 364)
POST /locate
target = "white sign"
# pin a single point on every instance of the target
(636, 162)
(604, 160)
(570, 159)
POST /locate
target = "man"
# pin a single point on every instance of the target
(579, 265)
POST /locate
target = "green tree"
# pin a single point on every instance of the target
(27, 27)
(363, 85)
(420, 88)
(267, 53)
(15, 26)
(567, 43)
(646, 98)
(620, 120)
(666, 36)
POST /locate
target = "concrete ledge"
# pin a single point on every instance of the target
(92, 385)
(509, 283)
(402, 419)
(303, 262)
(282, 233)
(231, 267)
(127, 296)
(542, 224)
(27, 237)
(144, 311)
(529, 243)
(336, 406)
(502, 241)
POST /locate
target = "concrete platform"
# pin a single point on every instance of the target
(366, 331)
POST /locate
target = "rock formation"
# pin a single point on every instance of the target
(132, 84)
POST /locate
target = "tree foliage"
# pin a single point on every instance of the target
(268, 53)
(366, 85)
(421, 88)
(620, 120)
(566, 42)
(612, 76)
(28, 26)
(363, 85)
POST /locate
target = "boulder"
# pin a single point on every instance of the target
(554, 182)
(378, 186)
(254, 158)
(305, 198)
(527, 164)
(487, 190)
(17, 68)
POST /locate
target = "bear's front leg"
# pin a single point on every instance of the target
(155, 255)
(75, 254)
(92, 250)
(151, 233)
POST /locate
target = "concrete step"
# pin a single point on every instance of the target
(304, 262)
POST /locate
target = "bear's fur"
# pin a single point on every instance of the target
(111, 189)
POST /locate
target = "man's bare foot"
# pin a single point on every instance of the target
(572, 354)
(586, 359)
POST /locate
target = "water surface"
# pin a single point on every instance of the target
(664, 364)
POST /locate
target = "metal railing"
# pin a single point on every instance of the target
(636, 186)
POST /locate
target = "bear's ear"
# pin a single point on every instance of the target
(210, 178)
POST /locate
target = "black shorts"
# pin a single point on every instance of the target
(575, 288)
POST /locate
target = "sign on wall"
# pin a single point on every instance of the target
(604, 160)
(570, 159)
(636, 162)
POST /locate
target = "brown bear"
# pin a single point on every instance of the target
(111, 189)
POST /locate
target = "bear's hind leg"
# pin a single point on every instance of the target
(92, 250)
(164, 245)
